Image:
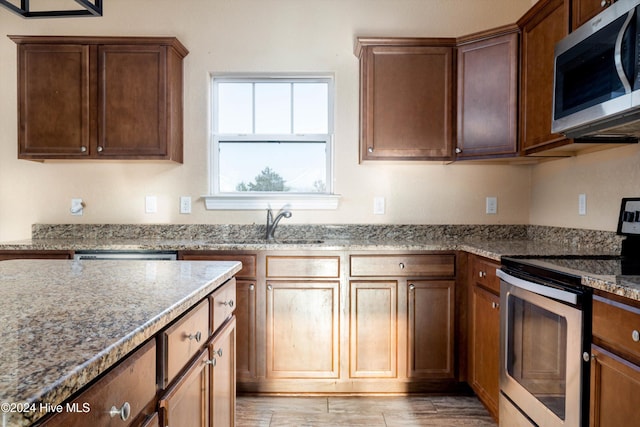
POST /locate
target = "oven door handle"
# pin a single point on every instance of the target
(539, 289)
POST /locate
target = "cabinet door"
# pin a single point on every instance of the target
(485, 347)
(302, 329)
(488, 97)
(132, 101)
(583, 10)
(431, 329)
(406, 103)
(615, 390)
(54, 101)
(373, 329)
(223, 378)
(246, 329)
(186, 403)
(542, 27)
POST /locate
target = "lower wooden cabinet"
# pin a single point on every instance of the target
(484, 331)
(187, 402)
(121, 398)
(223, 376)
(246, 329)
(431, 314)
(615, 362)
(485, 347)
(373, 335)
(615, 390)
(302, 320)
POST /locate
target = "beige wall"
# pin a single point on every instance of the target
(605, 177)
(256, 35)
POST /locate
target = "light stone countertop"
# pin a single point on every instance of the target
(66, 322)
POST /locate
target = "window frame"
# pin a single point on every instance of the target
(217, 199)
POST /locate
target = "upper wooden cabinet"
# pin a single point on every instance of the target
(488, 94)
(542, 27)
(100, 97)
(583, 10)
(406, 94)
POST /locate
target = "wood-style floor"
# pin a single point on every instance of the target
(383, 411)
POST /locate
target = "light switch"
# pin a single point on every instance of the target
(492, 205)
(378, 205)
(151, 204)
(185, 205)
(582, 204)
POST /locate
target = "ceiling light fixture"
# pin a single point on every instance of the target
(89, 8)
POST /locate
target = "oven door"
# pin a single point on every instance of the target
(541, 344)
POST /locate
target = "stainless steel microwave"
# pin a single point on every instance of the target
(596, 77)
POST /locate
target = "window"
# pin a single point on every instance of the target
(271, 141)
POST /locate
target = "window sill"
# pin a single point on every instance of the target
(271, 200)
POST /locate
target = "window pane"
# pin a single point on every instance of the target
(235, 108)
(273, 108)
(310, 108)
(273, 166)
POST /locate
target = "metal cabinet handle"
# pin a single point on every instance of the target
(197, 336)
(495, 305)
(83, 149)
(100, 148)
(252, 287)
(218, 352)
(269, 287)
(211, 362)
(229, 303)
(458, 150)
(401, 265)
(635, 335)
(412, 287)
(123, 412)
(605, 3)
(586, 356)
(482, 274)
(370, 149)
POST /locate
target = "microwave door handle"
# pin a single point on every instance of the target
(617, 54)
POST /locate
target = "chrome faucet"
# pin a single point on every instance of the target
(272, 222)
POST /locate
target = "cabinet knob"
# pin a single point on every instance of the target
(83, 149)
(482, 274)
(370, 149)
(252, 288)
(458, 150)
(586, 356)
(218, 352)
(635, 335)
(401, 265)
(495, 305)
(211, 362)
(412, 287)
(605, 3)
(229, 303)
(123, 412)
(269, 287)
(197, 336)
(100, 148)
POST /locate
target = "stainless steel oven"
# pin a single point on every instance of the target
(544, 333)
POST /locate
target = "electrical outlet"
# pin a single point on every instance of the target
(582, 204)
(151, 204)
(185, 205)
(492, 205)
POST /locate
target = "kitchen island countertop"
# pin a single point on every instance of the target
(66, 322)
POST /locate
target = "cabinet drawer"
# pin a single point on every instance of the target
(484, 274)
(183, 339)
(425, 265)
(223, 303)
(303, 266)
(131, 386)
(248, 261)
(617, 325)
